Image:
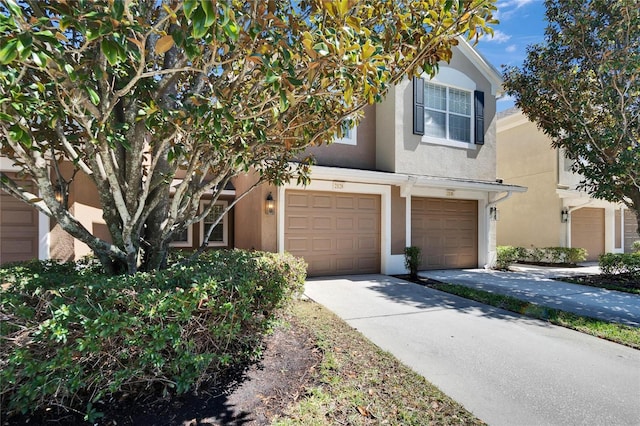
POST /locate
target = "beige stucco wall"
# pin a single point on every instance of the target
(525, 157)
(359, 156)
(413, 156)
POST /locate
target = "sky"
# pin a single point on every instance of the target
(522, 22)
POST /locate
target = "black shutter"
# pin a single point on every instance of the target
(478, 98)
(418, 106)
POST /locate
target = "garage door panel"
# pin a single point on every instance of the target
(446, 231)
(587, 231)
(321, 201)
(341, 231)
(322, 223)
(297, 222)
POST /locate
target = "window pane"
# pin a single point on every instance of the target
(435, 97)
(435, 124)
(182, 236)
(459, 102)
(217, 235)
(459, 128)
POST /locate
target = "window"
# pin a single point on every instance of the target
(219, 235)
(350, 135)
(448, 110)
(184, 239)
(447, 113)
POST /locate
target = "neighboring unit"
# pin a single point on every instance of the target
(553, 212)
(420, 169)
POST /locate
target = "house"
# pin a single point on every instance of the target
(420, 169)
(553, 212)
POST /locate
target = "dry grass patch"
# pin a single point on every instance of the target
(359, 384)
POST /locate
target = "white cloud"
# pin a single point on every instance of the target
(507, 8)
(499, 37)
(511, 48)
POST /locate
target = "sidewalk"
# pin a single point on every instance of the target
(535, 284)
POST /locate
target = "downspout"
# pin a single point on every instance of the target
(491, 261)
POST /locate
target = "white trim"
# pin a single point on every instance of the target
(224, 221)
(349, 187)
(44, 236)
(486, 69)
(6, 165)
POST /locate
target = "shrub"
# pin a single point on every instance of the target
(554, 255)
(635, 246)
(72, 338)
(620, 263)
(412, 260)
(506, 255)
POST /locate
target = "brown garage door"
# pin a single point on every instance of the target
(587, 231)
(335, 233)
(630, 230)
(446, 231)
(18, 227)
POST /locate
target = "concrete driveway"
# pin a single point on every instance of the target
(505, 368)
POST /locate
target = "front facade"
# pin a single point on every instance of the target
(420, 169)
(553, 212)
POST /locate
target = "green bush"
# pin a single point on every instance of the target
(72, 338)
(554, 255)
(635, 246)
(412, 260)
(506, 255)
(620, 263)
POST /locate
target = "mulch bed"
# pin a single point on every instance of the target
(250, 397)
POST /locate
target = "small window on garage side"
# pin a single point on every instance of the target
(220, 235)
(184, 239)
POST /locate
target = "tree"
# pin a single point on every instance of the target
(582, 88)
(135, 93)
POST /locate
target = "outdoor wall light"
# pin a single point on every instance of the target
(493, 213)
(564, 216)
(57, 193)
(269, 205)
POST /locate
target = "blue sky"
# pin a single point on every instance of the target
(522, 23)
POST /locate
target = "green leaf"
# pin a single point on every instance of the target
(199, 27)
(209, 12)
(13, 6)
(19, 134)
(110, 50)
(188, 7)
(9, 52)
(95, 99)
(71, 72)
(117, 10)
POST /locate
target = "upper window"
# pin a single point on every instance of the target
(447, 113)
(448, 110)
(349, 135)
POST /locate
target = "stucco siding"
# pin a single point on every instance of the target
(414, 156)
(359, 156)
(531, 218)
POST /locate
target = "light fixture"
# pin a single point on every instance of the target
(269, 205)
(493, 213)
(58, 193)
(564, 216)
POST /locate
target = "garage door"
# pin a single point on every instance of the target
(446, 231)
(335, 233)
(630, 230)
(587, 231)
(18, 227)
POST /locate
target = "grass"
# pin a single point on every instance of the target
(618, 333)
(359, 384)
